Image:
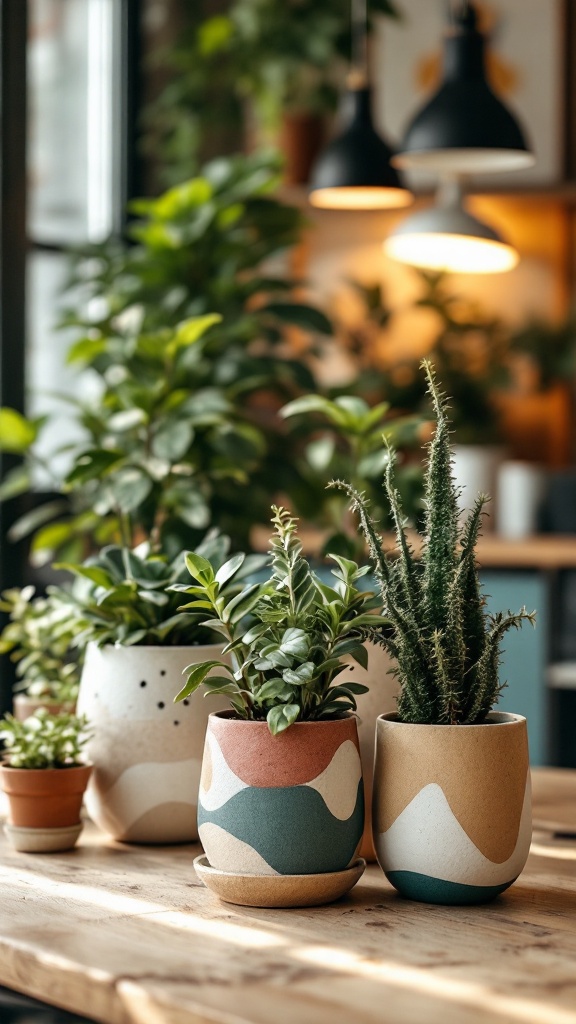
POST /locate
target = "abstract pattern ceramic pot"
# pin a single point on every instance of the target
(380, 699)
(146, 750)
(291, 804)
(452, 809)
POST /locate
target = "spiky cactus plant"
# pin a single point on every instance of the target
(445, 643)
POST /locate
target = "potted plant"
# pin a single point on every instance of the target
(342, 437)
(38, 638)
(186, 332)
(451, 811)
(282, 65)
(44, 778)
(281, 793)
(146, 758)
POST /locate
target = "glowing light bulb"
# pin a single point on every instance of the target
(462, 254)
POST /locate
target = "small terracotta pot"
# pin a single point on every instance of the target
(44, 797)
(291, 804)
(301, 139)
(452, 808)
(24, 706)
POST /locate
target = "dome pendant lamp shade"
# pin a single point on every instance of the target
(465, 128)
(354, 171)
(446, 237)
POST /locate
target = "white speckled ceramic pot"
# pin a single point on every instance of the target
(146, 750)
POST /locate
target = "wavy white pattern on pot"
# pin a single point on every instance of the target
(338, 783)
(233, 851)
(223, 784)
(144, 786)
(427, 838)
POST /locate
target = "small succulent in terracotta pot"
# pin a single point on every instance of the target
(44, 778)
(281, 791)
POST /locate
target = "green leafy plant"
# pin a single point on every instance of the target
(184, 334)
(286, 637)
(550, 348)
(289, 56)
(469, 348)
(130, 597)
(343, 437)
(446, 645)
(44, 740)
(38, 639)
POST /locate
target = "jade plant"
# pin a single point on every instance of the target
(444, 641)
(44, 740)
(287, 637)
(129, 597)
(39, 639)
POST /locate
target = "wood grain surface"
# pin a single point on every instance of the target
(128, 935)
(541, 551)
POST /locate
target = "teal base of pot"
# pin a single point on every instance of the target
(425, 889)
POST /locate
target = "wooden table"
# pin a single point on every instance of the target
(128, 935)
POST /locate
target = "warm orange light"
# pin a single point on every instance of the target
(460, 254)
(360, 198)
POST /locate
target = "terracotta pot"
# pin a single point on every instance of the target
(452, 808)
(146, 750)
(301, 139)
(291, 804)
(44, 797)
(24, 706)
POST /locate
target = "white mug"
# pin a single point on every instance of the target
(520, 491)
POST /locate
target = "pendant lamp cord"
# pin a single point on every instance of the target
(461, 11)
(359, 55)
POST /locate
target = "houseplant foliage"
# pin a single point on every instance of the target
(44, 740)
(127, 597)
(285, 661)
(288, 57)
(446, 644)
(44, 778)
(183, 332)
(342, 437)
(38, 639)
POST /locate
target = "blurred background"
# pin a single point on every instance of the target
(163, 159)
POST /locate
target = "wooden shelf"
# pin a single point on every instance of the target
(543, 551)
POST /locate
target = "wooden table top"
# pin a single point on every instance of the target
(128, 935)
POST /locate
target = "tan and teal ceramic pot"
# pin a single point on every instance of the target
(291, 804)
(452, 809)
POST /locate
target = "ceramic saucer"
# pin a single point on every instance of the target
(278, 890)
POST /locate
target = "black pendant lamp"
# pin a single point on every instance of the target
(354, 171)
(465, 128)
